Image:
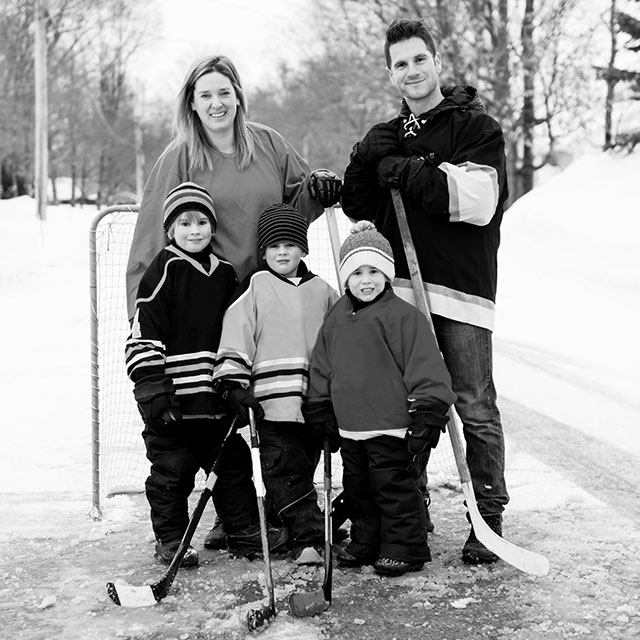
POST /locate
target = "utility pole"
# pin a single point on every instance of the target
(41, 177)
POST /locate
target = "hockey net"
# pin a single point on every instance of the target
(119, 463)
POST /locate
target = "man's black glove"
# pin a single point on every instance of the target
(322, 424)
(325, 186)
(240, 400)
(380, 141)
(157, 401)
(392, 171)
(424, 432)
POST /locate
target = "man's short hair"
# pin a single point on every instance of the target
(403, 29)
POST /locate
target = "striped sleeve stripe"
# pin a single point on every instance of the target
(196, 355)
(473, 192)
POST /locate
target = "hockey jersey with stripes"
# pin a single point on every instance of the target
(268, 334)
(177, 324)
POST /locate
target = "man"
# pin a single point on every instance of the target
(446, 155)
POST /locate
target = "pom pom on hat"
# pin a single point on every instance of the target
(365, 246)
(188, 197)
(282, 223)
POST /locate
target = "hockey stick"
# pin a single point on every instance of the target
(334, 239)
(306, 604)
(128, 596)
(257, 619)
(522, 559)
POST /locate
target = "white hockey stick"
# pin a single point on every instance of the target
(334, 239)
(522, 559)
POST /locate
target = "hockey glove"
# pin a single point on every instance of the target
(380, 141)
(325, 186)
(157, 402)
(424, 432)
(240, 399)
(321, 422)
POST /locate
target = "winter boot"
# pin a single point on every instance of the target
(216, 539)
(347, 560)
(391, 567)
(307, 555)
(248, 543)
(165, 553)
(474, 552)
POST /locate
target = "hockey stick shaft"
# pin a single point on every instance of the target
(256, 618)
(128, 596)
(334, 239)
(328, 529)
(521, 558)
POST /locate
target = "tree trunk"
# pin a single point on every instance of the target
(611, 81)
(528, 108)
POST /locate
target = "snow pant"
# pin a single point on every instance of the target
(288, 472)
(383, 499)
(468, 353)
(177, 452)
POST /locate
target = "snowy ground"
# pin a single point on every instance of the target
(567, 350)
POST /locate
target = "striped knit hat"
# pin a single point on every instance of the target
(365, 246)
(282, 223)
(188, 197)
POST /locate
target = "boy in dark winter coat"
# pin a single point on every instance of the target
(170, 356)
(263, 361)
(378, 378)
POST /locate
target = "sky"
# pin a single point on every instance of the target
(256, 35)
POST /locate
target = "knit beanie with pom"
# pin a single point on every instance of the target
(188, 197)
(282, 223)
(365, 246)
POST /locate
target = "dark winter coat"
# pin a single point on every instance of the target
(453, 182)
(377, 364)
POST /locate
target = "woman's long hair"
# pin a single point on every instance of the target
(188, 127)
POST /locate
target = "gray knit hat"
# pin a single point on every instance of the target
(365, 246)
(282, 223)
(188, 197)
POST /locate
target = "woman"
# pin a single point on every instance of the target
(245, 166)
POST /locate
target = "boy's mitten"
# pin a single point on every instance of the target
(240, 400)
(157, 401)
(424, 432)
(325, 186)
(322, 424)
(380, 141)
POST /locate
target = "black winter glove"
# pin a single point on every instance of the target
(157, 402)
(325, 186)
(380, 141)
(392, 171)
(424, 432)
(322, 424)
(240, 400)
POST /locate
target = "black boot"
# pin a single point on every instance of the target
(216, 539)
(474, 552)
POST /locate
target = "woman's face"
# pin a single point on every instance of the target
(215, 102)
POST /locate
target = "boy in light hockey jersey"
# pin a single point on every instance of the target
(263, 362)
(170, 355)
(378, 378)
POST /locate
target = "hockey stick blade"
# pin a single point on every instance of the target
(523, 559)
(128, 596)
(520, 558)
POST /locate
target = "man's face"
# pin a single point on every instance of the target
(414, 71)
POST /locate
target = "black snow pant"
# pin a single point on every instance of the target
(176, 453)
(287, 468)
(383, 499)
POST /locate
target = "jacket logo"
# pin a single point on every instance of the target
(411, 125)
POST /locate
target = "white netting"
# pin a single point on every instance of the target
(123, 466)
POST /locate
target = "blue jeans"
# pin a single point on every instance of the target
(468, 354)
